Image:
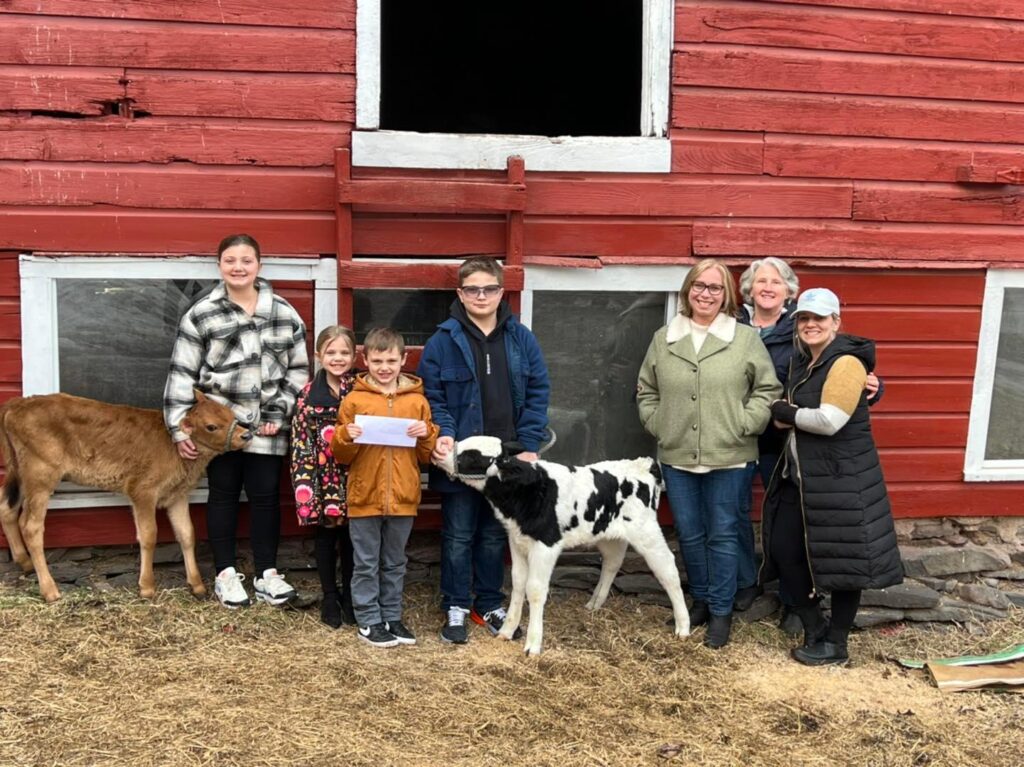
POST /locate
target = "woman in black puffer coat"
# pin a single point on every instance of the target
(827, 525)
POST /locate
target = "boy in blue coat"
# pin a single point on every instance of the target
(483, 373)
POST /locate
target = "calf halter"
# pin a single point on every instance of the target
(231, 432)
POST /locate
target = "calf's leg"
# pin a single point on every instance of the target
(144, 511)
(185, 534)
(541, 563)
(612, 554)
(520, 569)
(12, 532)
(33, 524)
(649, 541)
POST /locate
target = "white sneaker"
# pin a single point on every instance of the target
(229, 589)
(272, 588)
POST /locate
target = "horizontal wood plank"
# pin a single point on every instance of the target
(752, 23)
(889, 244)
(995, 9)
(781, 69)
(10, 363)
(933, 430)
(871, 287)
(917, 395)
(953, 203)
(922, 465)
(62, 41)
(115, 139)
(908, 323)
(180, 186)
(688, 196)
(273, 96)
(717, 152)
(330, 14)
(960, 499)
(612, 238)
(886, 117)
(10, 286)
(70, 90)
(428, 276)
(10, 319)
(883, 159)
(919, 360)
(123, 230)
(433, 196)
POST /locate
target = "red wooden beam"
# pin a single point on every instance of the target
(433, 196)
(380, 275)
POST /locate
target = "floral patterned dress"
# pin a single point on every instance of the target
(318, 481)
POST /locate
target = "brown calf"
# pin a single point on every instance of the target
(122, 449)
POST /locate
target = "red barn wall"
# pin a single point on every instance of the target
(828, 132)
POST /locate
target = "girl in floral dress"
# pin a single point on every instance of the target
(319, 482)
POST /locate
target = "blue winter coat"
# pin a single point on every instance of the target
(448, 370)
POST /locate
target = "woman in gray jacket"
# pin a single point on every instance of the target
(704, 393)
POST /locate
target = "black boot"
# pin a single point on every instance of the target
(829, 651)
(789, 622)
(745, 597)
(330, 610)
(348, 616)
(719, 628)
(815, 625)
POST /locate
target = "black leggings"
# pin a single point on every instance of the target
(789, 553)
(328, 544)
(260, 475)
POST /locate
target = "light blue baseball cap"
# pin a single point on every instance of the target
(820, 301)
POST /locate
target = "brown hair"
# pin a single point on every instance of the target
(238, 239)
(481, 264)
(729, 305)
(332, 332)
(382, 340)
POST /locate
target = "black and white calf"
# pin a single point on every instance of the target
(547, 507)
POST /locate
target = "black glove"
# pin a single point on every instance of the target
(783, 412)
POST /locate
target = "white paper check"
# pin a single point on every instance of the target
(381, 430)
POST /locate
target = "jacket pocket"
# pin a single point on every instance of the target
(224, 347)
(456, 382)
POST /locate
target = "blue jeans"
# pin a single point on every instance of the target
(473, 544)
(705, 508)
(746, 558)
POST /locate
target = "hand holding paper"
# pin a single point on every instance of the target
(381, 430)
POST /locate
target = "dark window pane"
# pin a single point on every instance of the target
(1005, 437)
(413, 313)
(594, 344)
(535, 67)
(114, 337)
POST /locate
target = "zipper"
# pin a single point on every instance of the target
(390, 458)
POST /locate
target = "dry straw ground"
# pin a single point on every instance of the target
(114, 680)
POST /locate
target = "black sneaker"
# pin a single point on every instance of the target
(454, 629)
(378, 635)
(493, 621)
(330, 610)
(400, 632)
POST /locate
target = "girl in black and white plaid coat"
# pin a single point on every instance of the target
(245, 347)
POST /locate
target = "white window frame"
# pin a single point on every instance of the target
(648, 152)
(39, 361)
(656, 278)
(976, 467)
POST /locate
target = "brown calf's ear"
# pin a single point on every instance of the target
(200, 397)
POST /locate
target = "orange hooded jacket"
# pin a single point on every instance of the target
(383, 480)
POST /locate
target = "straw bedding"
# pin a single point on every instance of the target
(110, 679)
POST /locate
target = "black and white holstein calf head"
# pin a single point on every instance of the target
(547, 507)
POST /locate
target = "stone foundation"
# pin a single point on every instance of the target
(959, 569)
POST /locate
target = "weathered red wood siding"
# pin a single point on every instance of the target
(142, 126)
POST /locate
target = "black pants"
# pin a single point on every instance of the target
(789, 552)
(328, 544)
(260, 475)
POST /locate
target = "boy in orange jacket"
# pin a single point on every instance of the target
(383, 485)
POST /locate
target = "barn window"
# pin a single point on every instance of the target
(995, 442)
(574, 85)
(594, 326)
(104, 327)
(414, 313)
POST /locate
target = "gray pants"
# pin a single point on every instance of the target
(378, 576)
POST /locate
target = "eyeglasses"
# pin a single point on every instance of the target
(479, 292)
(699, 287)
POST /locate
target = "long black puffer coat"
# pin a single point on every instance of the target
(851, 539)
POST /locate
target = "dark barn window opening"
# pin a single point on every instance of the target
(564, 68)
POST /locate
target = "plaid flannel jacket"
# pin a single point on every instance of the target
(255, 365)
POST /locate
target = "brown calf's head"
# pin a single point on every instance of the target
(213, 427)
